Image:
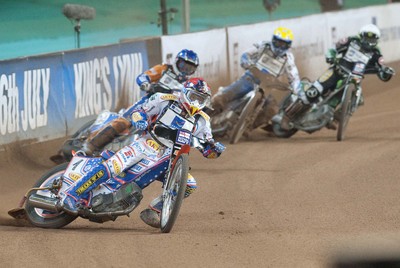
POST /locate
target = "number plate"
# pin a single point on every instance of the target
(354, 55)
(169, 82)
(270, 65)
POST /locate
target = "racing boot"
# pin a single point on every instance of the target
(191, 185)
(331, 125)
(97, 140)
(151, 215)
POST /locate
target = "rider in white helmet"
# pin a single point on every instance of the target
(367, 43)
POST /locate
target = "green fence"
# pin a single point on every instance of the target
(35, 27)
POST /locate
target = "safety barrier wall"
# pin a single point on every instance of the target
(316, 33)
(50, 96)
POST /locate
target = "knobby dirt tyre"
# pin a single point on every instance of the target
(245, 119)
(43, 218)
(174, 193)
(345, 112)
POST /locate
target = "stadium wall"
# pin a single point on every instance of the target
(50, 96)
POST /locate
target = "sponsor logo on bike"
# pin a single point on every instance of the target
(116, 166)
(90, 182)
(153, 144)
(74, 176)
(178, 122)
(136, 117)
(183, 138)
(169, 97)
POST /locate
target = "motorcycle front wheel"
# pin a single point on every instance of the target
(345, 112)
(246, 118)
(174, 192)
(44, 218)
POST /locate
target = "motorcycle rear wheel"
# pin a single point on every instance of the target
(345, 112)
(246, 118)
(44, 218)
(174, 192)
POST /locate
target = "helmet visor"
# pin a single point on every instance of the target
(370, 38)
(185, 67)
(197, 98)
(284, 45)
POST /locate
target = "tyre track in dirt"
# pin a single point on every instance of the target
(266, 202)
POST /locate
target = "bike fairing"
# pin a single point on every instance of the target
(116, 169)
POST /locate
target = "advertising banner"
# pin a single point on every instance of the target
(101, 78)
(31, 99)
(51, 96)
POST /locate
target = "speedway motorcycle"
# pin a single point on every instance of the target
(238, 119)
(231, 122)
(336, 107)
(167, 84)
(42, 204)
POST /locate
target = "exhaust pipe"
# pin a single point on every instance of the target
(44, 202)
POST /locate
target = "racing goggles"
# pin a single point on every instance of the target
(197, 98)
(370, 38)
(186, 67)
(278, 43)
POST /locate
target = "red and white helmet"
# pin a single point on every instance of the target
(195, 95)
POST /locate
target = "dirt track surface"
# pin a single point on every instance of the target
(266, 202)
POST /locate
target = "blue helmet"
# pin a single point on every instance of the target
(186, 62)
